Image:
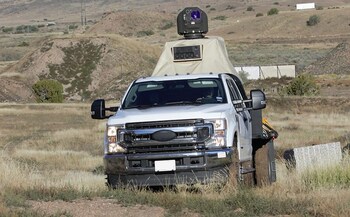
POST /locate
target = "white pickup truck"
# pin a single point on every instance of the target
(191, 121)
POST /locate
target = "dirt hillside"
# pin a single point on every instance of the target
(88, 67)
(335, 62)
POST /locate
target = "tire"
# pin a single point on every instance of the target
(112, 181)
(236, 178)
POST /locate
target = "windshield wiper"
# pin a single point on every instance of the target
(142, 106)
(184, 103)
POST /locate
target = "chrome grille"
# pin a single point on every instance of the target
(185, 135)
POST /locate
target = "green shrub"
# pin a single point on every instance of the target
(23, 44)
(272, 11)
(302, 85)
(144, 33)
(79, 61)
(244, 76)
(167, 25)
(7, 29)
(250, 8)
(48, 91)
(220, 18)
(319, 8)
(313, 20)
(72, 27)
(26, 29)
(259, 15)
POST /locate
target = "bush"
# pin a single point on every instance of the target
(250, 8)
(272, 11)
(72, 27)
(23, 44)
(26, 29)
(48, 91)
(244, 76)
(167, 25)
(259, 15)
(220, 18)
(7, 29)
(144, 33)
(313, 20)
(302, 85)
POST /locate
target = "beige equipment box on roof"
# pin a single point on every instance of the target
(194, 56)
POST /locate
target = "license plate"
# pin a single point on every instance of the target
(165, 165)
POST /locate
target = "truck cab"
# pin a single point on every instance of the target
(189, 122)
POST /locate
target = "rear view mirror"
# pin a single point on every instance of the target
(258, 99)
(98, 110)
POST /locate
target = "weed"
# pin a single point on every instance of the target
(65, 193)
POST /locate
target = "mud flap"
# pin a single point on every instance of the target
(265, 165)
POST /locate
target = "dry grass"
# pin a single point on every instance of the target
(49, 145)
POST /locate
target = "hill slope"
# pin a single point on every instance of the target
(335, 62)
(88, 67)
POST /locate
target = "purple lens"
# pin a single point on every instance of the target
(195, 15)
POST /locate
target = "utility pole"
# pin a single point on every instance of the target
(83, 12)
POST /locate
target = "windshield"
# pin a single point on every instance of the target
(178, 92)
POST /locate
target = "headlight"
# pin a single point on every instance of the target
(113, 140)
(219, 137)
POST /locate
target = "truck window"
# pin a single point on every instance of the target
(165, 93)
(234, 92)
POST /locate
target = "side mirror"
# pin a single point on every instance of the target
(258, 99)
(98, 109)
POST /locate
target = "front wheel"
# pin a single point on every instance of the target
(112, 181)
(238, 171)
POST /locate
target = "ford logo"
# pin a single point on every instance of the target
(163, 135)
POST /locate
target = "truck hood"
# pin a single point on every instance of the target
(179, 112)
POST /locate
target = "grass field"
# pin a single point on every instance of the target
(54, 152)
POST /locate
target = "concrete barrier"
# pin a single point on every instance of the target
(314, 157)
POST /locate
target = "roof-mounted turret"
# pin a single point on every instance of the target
(192, 23)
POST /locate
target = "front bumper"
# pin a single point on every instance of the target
(191, 167)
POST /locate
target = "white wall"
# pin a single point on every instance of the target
(263, 72)
(305, 6)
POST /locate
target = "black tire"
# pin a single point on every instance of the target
(112, 181)
(236, 178)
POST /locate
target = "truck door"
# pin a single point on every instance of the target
(244, 120)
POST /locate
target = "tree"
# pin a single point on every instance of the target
(48, 91)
